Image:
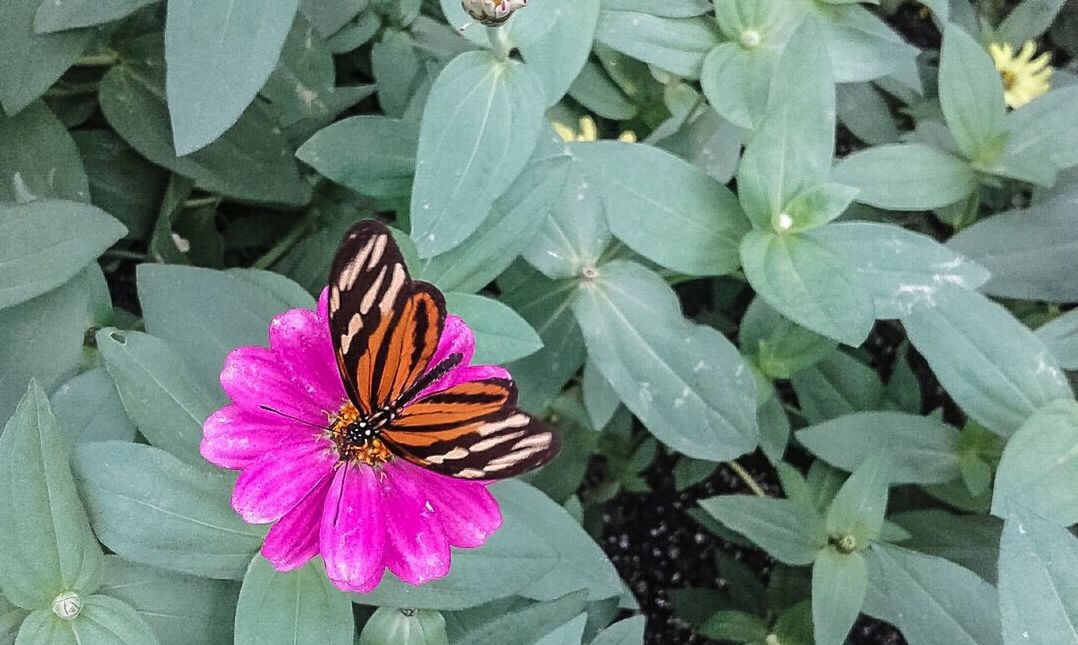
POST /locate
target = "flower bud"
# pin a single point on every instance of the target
(67, 605)
(491, 12)
(404, 627)
(750, 39)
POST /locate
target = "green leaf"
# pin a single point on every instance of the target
(1039, 468)
(40, 160)
(149, 507)
(837, 385)
(46, 546)
(101, 620)
(971, 95)
(501, 335)
(373, 155)
(808, 283)
(88, 408)
(180, 609)
(858, 508)
(44, 243)
(931, 600)
(1061, 338)
(629, 631)
(122, 182)
(600, 398)
(1038, 601)
(579, 439)
(693, 230)
(922, 450)
(406, 626)
(990, 363)
(1029, 252)
(218, 57)
(252, 161)
(731, 625)
(784, 528)
(72, 14)
(779, 346)
(574, 234)
(330, 16)
(1047, 127)
(774, 429)
(302, 603)
(971, 541)
(671, 9)
(571, 633)
(792, 147)
(203, 314)
(685, 382)
(676, 45)
(815, 206)
(579, 564)
(902, 270)
(31, 62)
(907, 176)
(595, 91)
(480, 124)
(521, 626)
(43, 338)
(839, 582)
(736, 81)
(864, 111)
(509, 230)
(158, 391)
(558, 56)
(1028, 20)
(545, 305)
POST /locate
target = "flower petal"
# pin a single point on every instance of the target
(353, 530)
(301, 342)
(273, 485)
(457, 338)
(417, 549)
(468, 512)
(233, 437)
(252, 377)
(293, 540)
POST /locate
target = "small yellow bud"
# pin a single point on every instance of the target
(783, 223)
(750, 39)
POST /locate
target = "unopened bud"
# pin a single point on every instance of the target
(491, 12)
(67, 605)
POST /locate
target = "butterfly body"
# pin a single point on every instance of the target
(409, 397)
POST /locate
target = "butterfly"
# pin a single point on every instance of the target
(386, 328)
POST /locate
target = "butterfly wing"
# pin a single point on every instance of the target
(385, 326)
(472, 430)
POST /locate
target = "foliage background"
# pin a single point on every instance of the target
(874, 262)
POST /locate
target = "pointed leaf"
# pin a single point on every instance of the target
(783, 527)
(686, 382)
(859, 506)
(971, 95)
(303, 603)
(906, 176)
(481, 122)
(839, 582)
(1039, 469)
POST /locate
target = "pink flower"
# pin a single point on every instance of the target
(362, 513)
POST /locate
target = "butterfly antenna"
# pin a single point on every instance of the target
(296, 419)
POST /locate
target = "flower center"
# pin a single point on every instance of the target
(357, 437)
(1009, 79)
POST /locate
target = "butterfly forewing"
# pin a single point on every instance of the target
(385, 327)
(473, 431)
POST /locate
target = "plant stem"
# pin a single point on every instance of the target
(499, 42)
(282, 247)
(122, 254)
(740, 471)
(104, 59)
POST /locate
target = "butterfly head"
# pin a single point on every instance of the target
(358, 437)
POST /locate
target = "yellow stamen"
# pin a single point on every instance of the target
(371, 451)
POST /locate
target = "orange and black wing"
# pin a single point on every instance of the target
(472, 431)
(385, 326)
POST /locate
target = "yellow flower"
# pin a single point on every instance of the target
(588, 132)
(1024, 77)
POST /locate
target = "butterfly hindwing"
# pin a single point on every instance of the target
(472, 430)
(385, 326)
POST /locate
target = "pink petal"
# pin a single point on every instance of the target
(362, 586)
(273, 485)
(457, 338)
(233, 436)
(323, 307)
(417, 550)
(293, 540)
(301, 343)
(353, 530)
(468, 512)
(253, 377)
